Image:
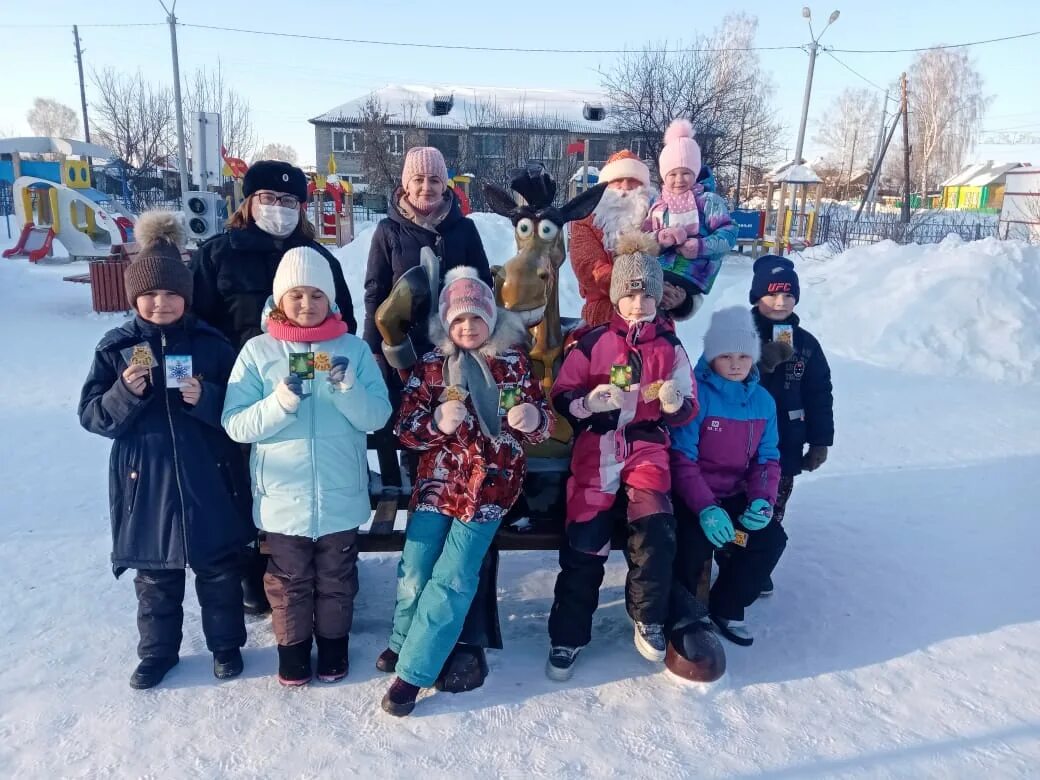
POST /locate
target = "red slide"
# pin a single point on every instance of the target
(34, 243)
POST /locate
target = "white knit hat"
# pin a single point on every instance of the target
(304, 266)
(732, 331)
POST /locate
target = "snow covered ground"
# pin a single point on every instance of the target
(902, 640)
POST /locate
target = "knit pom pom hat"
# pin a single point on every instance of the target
(423, 161)
(158, 264)
(774, 274)
(304, 266)
(465, 293)
(732, 331)
(680, 150)
(636, 268)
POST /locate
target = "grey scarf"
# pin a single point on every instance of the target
(469, 370)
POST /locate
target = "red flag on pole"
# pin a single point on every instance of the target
(576, 148)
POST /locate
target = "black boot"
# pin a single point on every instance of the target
(150, 672)
(400, 699)
(332, 658)
(227, 664)
(294, 663)
(254, 599)
(387, 661)
(465, 670)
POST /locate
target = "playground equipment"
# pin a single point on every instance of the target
(331, 208)
(55, 202)
(790, 226)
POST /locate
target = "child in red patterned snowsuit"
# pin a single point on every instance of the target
(619, 386)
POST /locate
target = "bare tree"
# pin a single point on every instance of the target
(132, 117)
(207, 91)
(851, 115)
(377, 158)
(947, 105)
(50, 118)
(276, 151)
(726, 94)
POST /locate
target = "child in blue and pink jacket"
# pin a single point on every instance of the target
(725, 471)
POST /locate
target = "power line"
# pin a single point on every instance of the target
(65, 26)
(940, 46)
(858, 74)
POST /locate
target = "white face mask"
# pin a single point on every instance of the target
(276, 220)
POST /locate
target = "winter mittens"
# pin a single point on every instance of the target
(773, 354)
(341, 376)
(603, 398)
(524, 417)
(815, 457)
(757, 515)
(670, 396)
(288, 392)
(449, 416)
(671, 236)
(716, 525)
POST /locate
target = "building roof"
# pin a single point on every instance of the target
(980, 174)
(45, 145)
(480, 107)
(797, 174)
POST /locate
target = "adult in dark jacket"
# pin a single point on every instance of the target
(425, 212)
(234, 274)
(177, 492)
(795, 372)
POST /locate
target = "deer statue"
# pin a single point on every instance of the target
(528, 282)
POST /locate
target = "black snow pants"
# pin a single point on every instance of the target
(160, 611)
(743, 571)
(650, 552)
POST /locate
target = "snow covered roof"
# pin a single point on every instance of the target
(479, 107)
(980, 174)
(798, 174)
(45, 145)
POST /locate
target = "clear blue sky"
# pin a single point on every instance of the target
(287, 81)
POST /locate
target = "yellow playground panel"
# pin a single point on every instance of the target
(789, 226)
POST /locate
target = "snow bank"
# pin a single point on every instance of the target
(949, 309)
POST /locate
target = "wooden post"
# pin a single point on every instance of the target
(585, 170)
(905, 212)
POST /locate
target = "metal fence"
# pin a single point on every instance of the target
(843, 232)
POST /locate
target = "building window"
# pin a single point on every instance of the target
(348, 141)
(396, 143)
(545, 147)
(489, 145)
(446, 143)
(599, 149)
(638, 147)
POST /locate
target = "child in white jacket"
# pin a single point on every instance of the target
(304, 394)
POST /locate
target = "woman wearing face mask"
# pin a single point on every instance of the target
(234, 276)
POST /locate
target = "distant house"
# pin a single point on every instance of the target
(977, 186)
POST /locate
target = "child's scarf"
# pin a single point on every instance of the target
(332, 327)
(469, 370)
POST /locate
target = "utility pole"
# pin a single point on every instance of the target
(905, 213)
(82, 90)
(871, 191)
(852, 161)
(182, 159)
(814, 47)
(876, 173)
(740, 159)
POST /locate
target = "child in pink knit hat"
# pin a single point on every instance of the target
(691, 224)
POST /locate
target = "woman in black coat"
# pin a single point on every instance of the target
(234, 275)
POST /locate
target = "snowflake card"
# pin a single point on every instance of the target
(178, 370)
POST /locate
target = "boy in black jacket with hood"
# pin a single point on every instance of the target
(794, 370)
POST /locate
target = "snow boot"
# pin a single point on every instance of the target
(254, 598)
(733, 630)
(227, 663)
(560, 666)
(387, 661)
(294, 663)
(333, 663)
(650, 641)
(400, 699)
(767, 589)
(150, 672)
(465, 670)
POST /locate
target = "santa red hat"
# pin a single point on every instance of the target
(625, 165)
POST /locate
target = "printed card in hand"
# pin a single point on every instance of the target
(301, 364)
(139, 355)
(652, 391)
(178, 370)
(740, 538)
(453, 393)
(621, 376)
(508, 397)
(784, 334)
(322, 361)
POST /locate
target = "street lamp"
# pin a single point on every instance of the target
(813, 48)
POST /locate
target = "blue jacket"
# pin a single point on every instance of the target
(177, 488)
(803, 393)
(731, 446)
(309, 468)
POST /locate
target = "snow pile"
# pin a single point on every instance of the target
(950, 309)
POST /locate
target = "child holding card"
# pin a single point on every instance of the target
(795, 372)
(304, 394)
(468, 409)
(725, 465)
(175, 488)
(619, 385)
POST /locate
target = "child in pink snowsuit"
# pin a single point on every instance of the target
(619, 386)
(690, 222)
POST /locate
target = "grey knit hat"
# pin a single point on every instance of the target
(636, 268)
(732, 331)
(158, 264)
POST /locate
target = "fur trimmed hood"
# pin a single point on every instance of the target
(509, 333)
